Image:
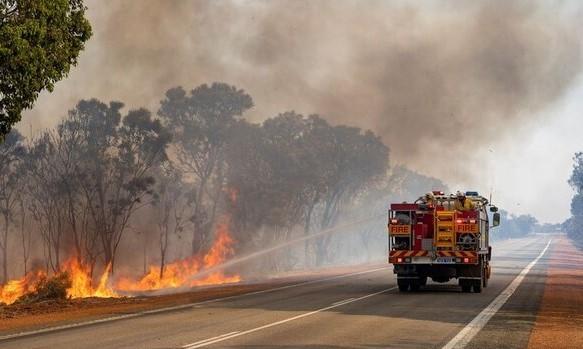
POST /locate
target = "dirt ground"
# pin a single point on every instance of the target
(21, 317)
(559, 322)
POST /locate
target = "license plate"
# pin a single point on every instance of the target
(445, 260)
(422, 260)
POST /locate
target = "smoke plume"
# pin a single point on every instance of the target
(442, 75)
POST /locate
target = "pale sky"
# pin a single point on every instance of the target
(529, 171)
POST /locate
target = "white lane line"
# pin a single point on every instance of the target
(178, 307)
(343, 301)
(208, 339)
(467, 333)
(281, 322)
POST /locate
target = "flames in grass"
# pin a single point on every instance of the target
(14, 289)
(79, 276)
(181, 273)
(82, 283)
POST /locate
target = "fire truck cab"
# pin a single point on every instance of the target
(434, 240)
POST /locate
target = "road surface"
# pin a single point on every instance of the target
(357, 310)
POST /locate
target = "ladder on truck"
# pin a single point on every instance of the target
(444, 237)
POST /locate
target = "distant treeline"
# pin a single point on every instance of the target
(514, 226)
(104, 179)
(574, 225)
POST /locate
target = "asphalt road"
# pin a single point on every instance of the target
(361, 310)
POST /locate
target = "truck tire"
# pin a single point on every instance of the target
(466, 286)
(477, 285)
(485, 276)
(423, 281)
(415, 285)
(403, 285)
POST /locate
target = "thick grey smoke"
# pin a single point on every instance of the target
(426, 77)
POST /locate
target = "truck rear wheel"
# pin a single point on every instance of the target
(466, 286)
(477, 286)
(403, 285)
(415, 285)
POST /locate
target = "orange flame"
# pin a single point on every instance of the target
(81, 281)
(14, 289)
(182, 273)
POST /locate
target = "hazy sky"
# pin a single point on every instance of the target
(482, 94)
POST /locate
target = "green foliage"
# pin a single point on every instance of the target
(576, 180)
(574, 225)
(48, 288)
(39, 42)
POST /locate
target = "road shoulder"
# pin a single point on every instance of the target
(559, 323)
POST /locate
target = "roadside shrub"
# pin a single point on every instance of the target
(48, 288)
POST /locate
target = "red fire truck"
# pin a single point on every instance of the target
(433, 239)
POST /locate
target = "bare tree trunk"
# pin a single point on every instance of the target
(162, 265)
(108, 256)
(163, 249)
(25, 238)
(4, 265)
(145, 254)
(307, 228)
(5, 250)
(199, 233)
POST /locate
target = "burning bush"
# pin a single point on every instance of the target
(48, 288)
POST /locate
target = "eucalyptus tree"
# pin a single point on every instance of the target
(200, 123)
(11, 155)
(39, 42)
(114, 161)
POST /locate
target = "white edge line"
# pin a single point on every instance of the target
(281, 322)
(208, 339)
(177, 307)
(470, 330)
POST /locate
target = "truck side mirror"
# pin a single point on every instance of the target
(493, 209)
(496, 219)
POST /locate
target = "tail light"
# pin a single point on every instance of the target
(394, 221)
(403, 260)
(472, 221)
(459, 221)
(466, 260)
